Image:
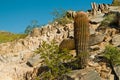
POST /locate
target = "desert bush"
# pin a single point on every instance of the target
(116, 3)
(112, 54)
(109, 19)
(63, 20)
(29, 28)
(53, 58)
(59, 15)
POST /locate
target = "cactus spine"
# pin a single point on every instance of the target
(81, 34)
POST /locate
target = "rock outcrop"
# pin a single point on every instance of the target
(11, 71)
(15, 55)
(71, 14)
(99, 8)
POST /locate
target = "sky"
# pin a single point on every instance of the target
(16, 15)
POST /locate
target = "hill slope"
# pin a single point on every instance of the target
(8, 36)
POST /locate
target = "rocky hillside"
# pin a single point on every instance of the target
(14, 55)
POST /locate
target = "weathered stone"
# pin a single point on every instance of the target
(110, 32)
(98, 69)
(34, 61)
(4, 77)
(11, 71)
(71, 14)
(44, 30)
(92, 31)
(92, 64)
(114, 9)
(105, 72)
(117, 71)
(103, 8)
(97, 19)
(69, 29)
(116, 40)
(94, 8)
(107, 38)
(111, 77)
(95, 47)
(35, 32)
(96, 38)
(84, 74)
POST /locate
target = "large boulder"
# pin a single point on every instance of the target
(34, 61)
(96, 38)
(97, 19)
(69, 43)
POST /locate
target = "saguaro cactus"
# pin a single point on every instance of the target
(81, 34)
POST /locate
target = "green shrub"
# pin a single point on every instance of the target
(116, 3)
(63, 20)
(29, 28)
(53, 59)
(112, 54)
(59, 15)
(109, 19)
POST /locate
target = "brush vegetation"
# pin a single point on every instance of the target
(8, 37)
(109, 19)
(54, 59)
(59, 15)
(112, 54)
(116, 3)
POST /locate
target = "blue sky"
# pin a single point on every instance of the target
(16, 15)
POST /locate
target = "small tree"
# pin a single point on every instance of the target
(53, 59)
(59, 15)
(29, 28)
